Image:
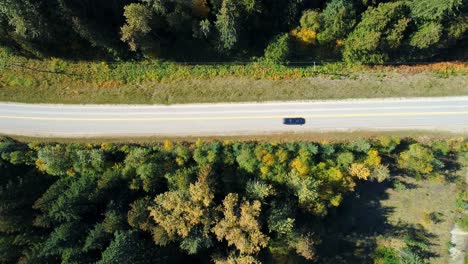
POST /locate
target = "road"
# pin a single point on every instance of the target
(448, 114)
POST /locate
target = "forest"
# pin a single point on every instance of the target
(205, 202)
(354, 31)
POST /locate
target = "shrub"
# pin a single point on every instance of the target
(462, 222)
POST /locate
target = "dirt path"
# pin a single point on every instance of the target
(460, 241)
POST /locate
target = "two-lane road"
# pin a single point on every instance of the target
(450, 114)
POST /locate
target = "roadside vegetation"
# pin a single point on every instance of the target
(158, 82)
(152, 51)
(383, 200)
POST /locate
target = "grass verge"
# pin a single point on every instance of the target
(330, 137)
(58, 81)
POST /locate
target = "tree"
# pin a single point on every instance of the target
(246, 159)
(181, 179)
(381, 30)
(178, 213)
(20, 186)
(88, 162)
(429, 34)
(68, 199)
(312, 20)
(54, 160)
(417, 160)
(63, 238)
(210, 208)
(360, 171)
(130, 247)
(258, 190)
(306, 190)
(97, 238)
(345, 159)
(138, 216)
(233, 258)
(206, 154)
(435, 10)
(227, 26)
(386, 144)
(360, 145)
(380, 173)
(137, 26)
(304, 246)
(243, 231)
(278, 50)
(95, 21)
(113, 221)
(281, 220)
(27, 24)
(339, 17)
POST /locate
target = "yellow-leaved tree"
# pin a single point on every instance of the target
(360, 171)
(178, 212)
(241, 230)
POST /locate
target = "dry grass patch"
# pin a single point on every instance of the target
(329, 137)
(429, 205)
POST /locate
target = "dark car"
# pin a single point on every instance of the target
(294, 121)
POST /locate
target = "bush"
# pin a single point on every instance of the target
(462, 222)
(386, 255)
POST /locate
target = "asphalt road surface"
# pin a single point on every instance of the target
(445, 114)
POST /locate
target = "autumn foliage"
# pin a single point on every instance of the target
(225, 202)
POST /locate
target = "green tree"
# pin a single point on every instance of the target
(339, 17)
(258, 190)
(380, 32)
(130, 247)
(95, 21)
(55, 160)
(435, 10)
(137, 27)
(64, 237)
(312, 19)
(20, 186)
(27, 25)
(246, 159)
(345, 159)
(278, 50)
(429, 34)
(181, 179)
(227, 25)
(96, 239)
(68, 199)
(88, 162)
(417, 160)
